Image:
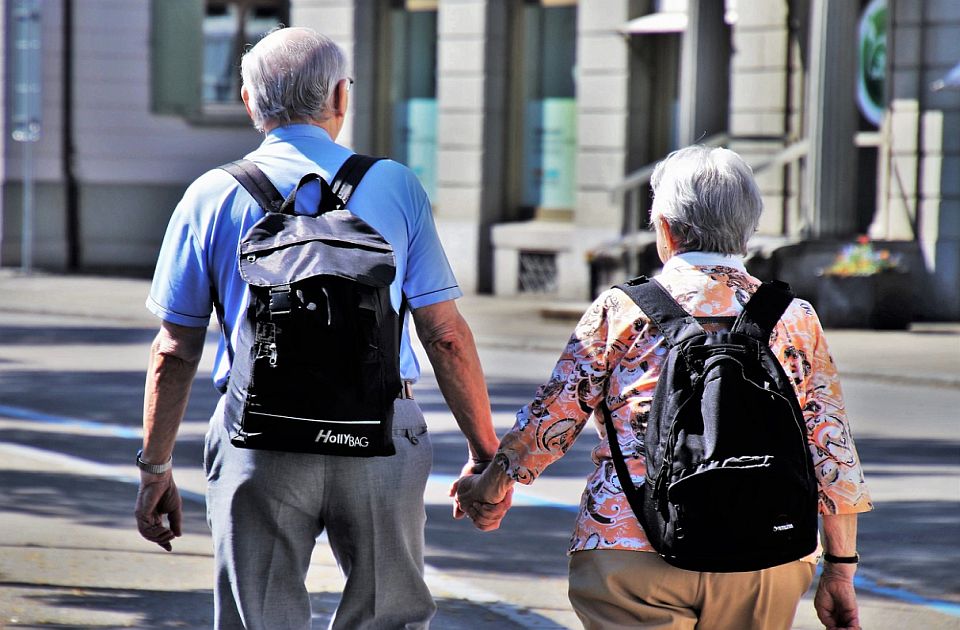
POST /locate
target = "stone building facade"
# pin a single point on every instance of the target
(532, 124)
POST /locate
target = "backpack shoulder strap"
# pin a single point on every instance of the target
(348, 177)
(256, 183)
(656, 303)
(762, 312)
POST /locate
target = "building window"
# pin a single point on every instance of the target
(195, 53)
(229, 27)
(549, 106)
(413, 88)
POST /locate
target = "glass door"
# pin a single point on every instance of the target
(413, 89)
(548, 112)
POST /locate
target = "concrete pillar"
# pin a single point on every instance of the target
(832, 111)
(603, 105)
(704, 72)
(465, 144)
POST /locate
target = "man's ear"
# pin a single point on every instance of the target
(340, 98)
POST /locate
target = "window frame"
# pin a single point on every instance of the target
(177, 58)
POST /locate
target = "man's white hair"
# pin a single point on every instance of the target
(709, 198)
(291, 75)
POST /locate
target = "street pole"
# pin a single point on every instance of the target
(27, 111)
(26, 243)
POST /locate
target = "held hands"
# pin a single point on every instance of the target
(158, 495)
(484, 498)
(835, 601)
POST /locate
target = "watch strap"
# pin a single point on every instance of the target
(154, 469)
(832, 559)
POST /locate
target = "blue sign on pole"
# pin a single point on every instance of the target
(27, 73)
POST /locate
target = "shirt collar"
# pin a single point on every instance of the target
(297, 130)
(704, 259)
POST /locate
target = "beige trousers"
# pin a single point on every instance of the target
(613, 589)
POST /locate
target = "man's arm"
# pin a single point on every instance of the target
(453, 354)
(174, 357)
(835, 600)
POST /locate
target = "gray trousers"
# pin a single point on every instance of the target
(266, 509)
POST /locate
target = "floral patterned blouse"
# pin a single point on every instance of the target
(615, 356)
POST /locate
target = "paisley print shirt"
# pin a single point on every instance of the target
(615, 356)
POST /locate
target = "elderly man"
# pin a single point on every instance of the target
(266, 508)
(706, 206)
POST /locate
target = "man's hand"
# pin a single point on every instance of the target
(484, 498)
(158, 495)
(472, 467)
(835, 601)
(174, 357)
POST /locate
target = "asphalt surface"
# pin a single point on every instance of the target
(72, 358)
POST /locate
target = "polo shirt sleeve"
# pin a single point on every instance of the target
(180, 292)
(428, 278)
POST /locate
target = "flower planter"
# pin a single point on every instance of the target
(880, 301)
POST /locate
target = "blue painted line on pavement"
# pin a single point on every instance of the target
(861, 582)
(20, 413)
(867, 585)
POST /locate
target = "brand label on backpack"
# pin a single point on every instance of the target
(343, 439)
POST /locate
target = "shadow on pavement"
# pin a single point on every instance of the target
(82, 607)
(531, 541)
(113, 398)
(912, 544)
(72, 335)
(151, 608)
(103, 449)
(84, 500)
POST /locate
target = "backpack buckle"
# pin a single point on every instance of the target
(281, 300)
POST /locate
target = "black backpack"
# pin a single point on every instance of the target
(729, 480)
(317, 363)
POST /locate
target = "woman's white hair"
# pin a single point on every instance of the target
(291, 75)
(708, 197)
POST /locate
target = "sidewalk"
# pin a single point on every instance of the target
(929, 353)
(118, 582)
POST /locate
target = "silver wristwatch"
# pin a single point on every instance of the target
(154, 469)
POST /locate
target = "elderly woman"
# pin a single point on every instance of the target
(706, 205)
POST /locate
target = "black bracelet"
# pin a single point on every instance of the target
(832, 559)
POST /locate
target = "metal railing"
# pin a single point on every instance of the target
(629, 193)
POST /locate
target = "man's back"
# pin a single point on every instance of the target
(216, 212)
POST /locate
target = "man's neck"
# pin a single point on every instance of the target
(329, 125)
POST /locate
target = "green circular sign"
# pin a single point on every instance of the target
(872, 61)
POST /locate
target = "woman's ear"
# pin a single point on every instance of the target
(666, 241)
(245, 97)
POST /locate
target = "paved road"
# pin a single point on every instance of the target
(70, 400)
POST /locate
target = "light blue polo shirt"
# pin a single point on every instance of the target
(199, 250)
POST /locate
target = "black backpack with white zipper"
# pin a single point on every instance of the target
(316, 368)
(729, 482)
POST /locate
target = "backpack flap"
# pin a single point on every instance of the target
(284, 249)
